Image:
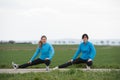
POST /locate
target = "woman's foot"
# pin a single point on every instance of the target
(55, 68)
(15, 66)
(88, 67)
(47, 68)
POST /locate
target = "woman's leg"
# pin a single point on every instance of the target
(84, 61)
(35, 62)
(47, 62)
(89, 63)
(65, 65)
(76, 61)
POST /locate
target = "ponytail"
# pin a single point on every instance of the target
(40, 43)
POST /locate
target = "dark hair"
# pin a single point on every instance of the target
(43, 37)
(84, 36)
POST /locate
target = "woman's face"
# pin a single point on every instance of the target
(44, 40)
(85, 39)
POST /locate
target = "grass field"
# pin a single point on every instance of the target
(67, 75)
(106, 57)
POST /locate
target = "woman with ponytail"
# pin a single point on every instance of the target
(46, 52)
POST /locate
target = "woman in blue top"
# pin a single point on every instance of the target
(47, 52)
(88, 53)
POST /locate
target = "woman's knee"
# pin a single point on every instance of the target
(89, 63)
(47, 62)
(76, 61)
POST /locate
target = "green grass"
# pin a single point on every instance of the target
(106, 57)
(66, 75)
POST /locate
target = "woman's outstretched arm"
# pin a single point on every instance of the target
(35, 54)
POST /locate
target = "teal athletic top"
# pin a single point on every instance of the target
(46, 51)
(87, 49)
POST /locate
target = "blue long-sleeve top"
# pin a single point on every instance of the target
(87, 49)
(46, 51)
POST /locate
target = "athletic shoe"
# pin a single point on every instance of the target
(47, 68)
(55, 68)
(88, 67)
(15, 66)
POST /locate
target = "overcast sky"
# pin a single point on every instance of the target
(59, 19)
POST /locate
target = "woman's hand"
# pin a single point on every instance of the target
(89, 60)
(29, 62)
(70, 60)
(47, 59)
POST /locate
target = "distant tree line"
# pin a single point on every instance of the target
(109, 42)
(13, 42)
(64, 42)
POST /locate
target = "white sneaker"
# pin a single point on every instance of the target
(88, 67)
(15, 66)
(47, 68)
(55, 68)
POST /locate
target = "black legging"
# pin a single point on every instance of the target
(76, 61)
(35, 62)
